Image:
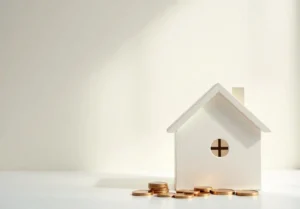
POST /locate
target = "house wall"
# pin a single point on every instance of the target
(93, 85)
(196, 165)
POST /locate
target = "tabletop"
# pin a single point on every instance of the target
(79, 190)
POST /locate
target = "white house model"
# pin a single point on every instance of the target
(218, 143)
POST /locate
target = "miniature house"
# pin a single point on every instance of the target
(218, 143)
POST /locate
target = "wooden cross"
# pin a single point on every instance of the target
(222, 145)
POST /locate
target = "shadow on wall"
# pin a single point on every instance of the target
(48, 51)
(297, 76)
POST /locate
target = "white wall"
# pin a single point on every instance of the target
(93, 85)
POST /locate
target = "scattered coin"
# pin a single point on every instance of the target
(161, 189)
(165, 195)
(182, 196)
(203, 188)
(191, 192)
(141, 193)
(222, 191)
(202, 194)
(246, 193)
(179, 191)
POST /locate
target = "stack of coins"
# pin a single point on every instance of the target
(184, 194)
(204, 191)
(158, 187)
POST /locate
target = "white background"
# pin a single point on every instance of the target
(93, 85)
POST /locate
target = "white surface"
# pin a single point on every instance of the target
(206, 98)
(83, 82)
(196, 165)
(79, 191)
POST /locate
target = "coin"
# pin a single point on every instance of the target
(192, 192)
(246, 193)
(203, 188)
(165, 195)
(179, 191)
(159, 189)
(202, 194)
(157, 184)
(222, 191)
(141, 193)
(161, 192)
(182, 196)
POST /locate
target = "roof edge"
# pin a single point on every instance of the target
(198, 104)
(217, 88)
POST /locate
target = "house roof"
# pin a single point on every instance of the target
(211, 93)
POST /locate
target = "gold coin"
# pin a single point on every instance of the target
(157, 184)
(159, 189)
(165, 195)
(161, 192)
(141, 193)
(179, 191)
(150, 191)
(183, 196)
(203, 188)
(192, 192)
(202, 194)
(222, 191)
(246, 193)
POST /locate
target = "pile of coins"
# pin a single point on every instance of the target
(161, 189)
(158, 187)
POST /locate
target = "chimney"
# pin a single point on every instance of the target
(238, 93)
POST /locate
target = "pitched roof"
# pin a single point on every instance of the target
(211, 93)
